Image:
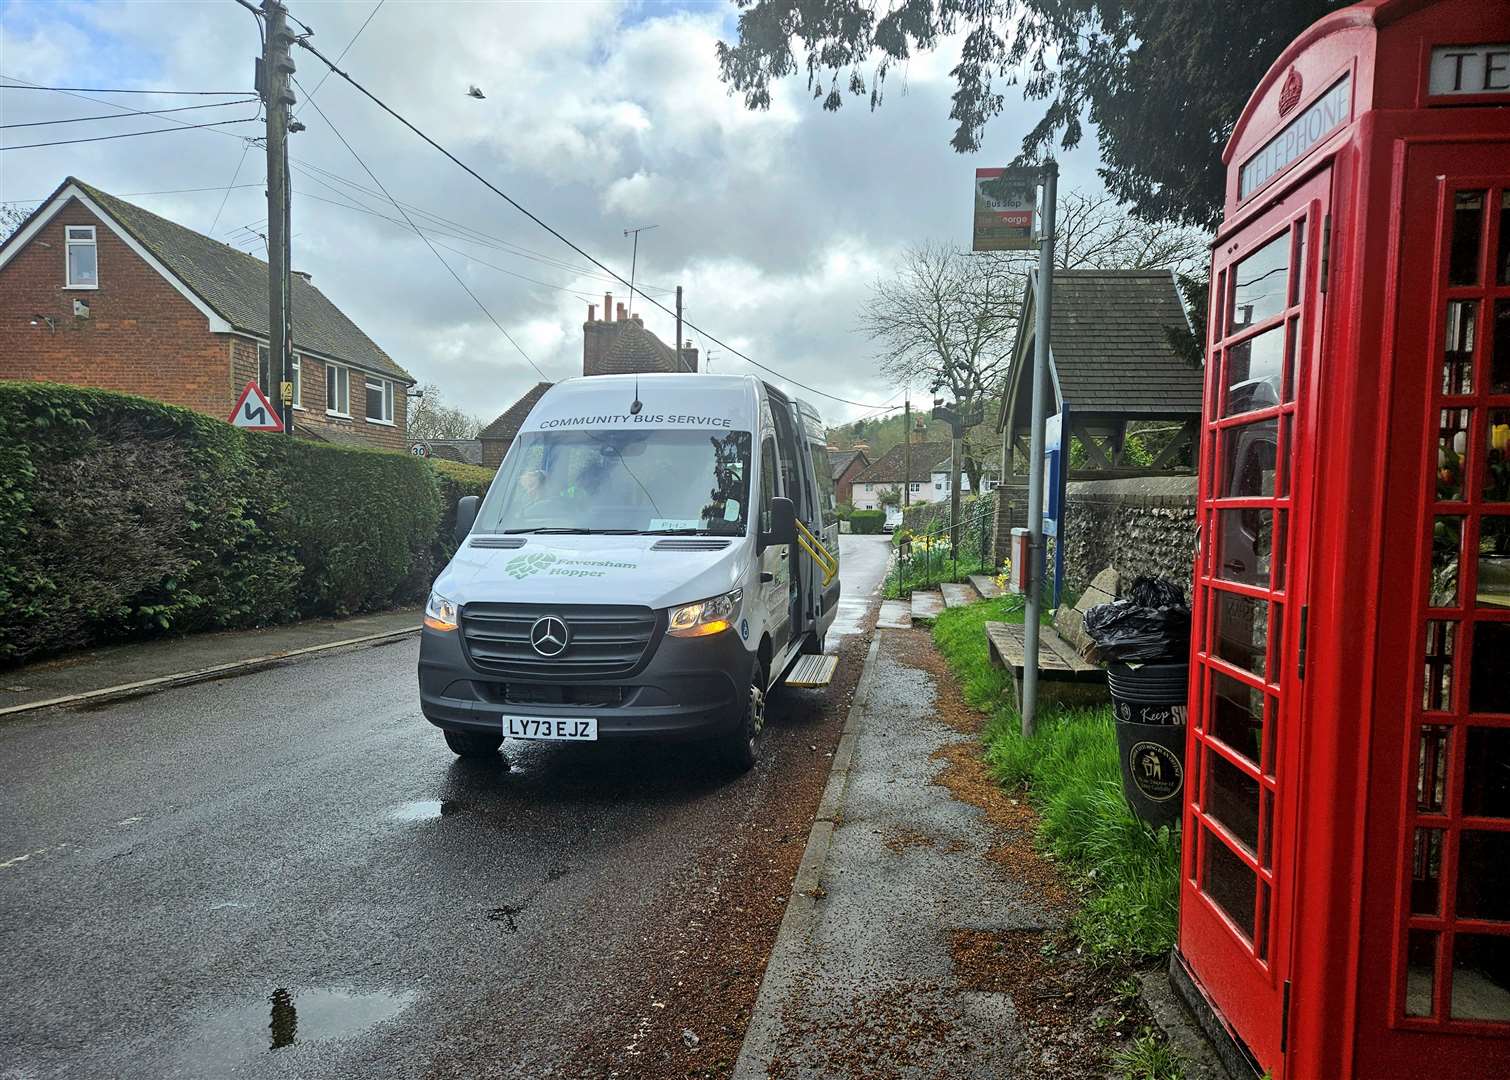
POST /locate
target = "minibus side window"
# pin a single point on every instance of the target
(825, 476)
(767, 481)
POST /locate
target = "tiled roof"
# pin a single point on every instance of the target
(507, 425)
(466, 451)
(888, 468)
(839, 460)
(234, 284)
(1111, 346)
(637, 349)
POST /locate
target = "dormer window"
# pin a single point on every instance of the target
(82, 258)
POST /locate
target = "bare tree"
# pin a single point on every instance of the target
(939, 319)
(11, 218)
(946, 319)
(431, 418)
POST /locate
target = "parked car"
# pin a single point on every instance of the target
(635, 570)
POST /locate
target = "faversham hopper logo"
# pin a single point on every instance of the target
(522, 566)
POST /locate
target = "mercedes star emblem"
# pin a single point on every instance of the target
(548, 636)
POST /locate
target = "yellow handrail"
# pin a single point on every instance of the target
(814, 547)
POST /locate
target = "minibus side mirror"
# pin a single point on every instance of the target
(782, 523)
(466, 515)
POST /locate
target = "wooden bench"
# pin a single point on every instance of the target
(1064, 675)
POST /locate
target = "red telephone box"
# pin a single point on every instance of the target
(1345, 896)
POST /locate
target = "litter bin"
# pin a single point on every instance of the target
(1148, 703)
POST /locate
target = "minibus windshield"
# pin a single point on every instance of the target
(666, 480)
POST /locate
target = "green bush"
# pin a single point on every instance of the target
(867, 521)
(361, 523)
(456, 481)
(122, 517)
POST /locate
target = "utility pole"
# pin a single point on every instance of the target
(906, 454)
(678, 342)
(1043, 299)
(634, 258)
(277, 66)
(958, 420)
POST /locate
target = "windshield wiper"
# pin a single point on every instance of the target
(572, 530)
(675, 532)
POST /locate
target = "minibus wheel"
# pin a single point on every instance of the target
(473, 744)
(739, 744)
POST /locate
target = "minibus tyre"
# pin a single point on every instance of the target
(473, 744)
(738, 748)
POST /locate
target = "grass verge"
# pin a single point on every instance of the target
(1071, 772)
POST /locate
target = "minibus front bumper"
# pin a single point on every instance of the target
(686, 688)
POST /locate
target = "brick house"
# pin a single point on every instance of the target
(498, 436)
(846, 465)
(610, 346)
(96, 291)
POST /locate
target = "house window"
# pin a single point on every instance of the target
(82, 259)
(869, 488)
(264, 377)
(337, 390)
(915, 487)
(938, 485)
(379, 401)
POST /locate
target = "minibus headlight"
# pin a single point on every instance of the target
(705, 617)
(440, 613)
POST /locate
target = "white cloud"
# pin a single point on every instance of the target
(597, 117)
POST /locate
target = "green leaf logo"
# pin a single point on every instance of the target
(522, 566)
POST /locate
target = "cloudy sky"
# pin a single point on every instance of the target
(598, 117)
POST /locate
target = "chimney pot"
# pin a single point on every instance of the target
(592, 312)
(608, 307)
(619, 313)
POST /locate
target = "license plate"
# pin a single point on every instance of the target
(552, 728)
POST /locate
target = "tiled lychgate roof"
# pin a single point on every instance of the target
(508, 423)
(234, 284)
(1111, 348)
(890, 466)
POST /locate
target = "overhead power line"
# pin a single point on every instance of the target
(457, 231)
(140, 194)
(342, 54)
(221, 209)
(451, 269)
(126, 134)
(27, 84)
(113, 90)
(556, 233)
(123, 115)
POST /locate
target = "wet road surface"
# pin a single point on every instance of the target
(287, 874)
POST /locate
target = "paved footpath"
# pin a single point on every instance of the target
(864, 981)
(100, 669)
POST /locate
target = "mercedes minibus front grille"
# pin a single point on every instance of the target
(602, 639)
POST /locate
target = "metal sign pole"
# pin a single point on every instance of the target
(1043, 298)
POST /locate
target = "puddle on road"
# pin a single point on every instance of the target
(850, 618)
(426, 810)
(287, 1018)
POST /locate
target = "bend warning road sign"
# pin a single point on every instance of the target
(254, 412)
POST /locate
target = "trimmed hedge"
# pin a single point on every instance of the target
(867, 521)
(456, 481)
(122, 517)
